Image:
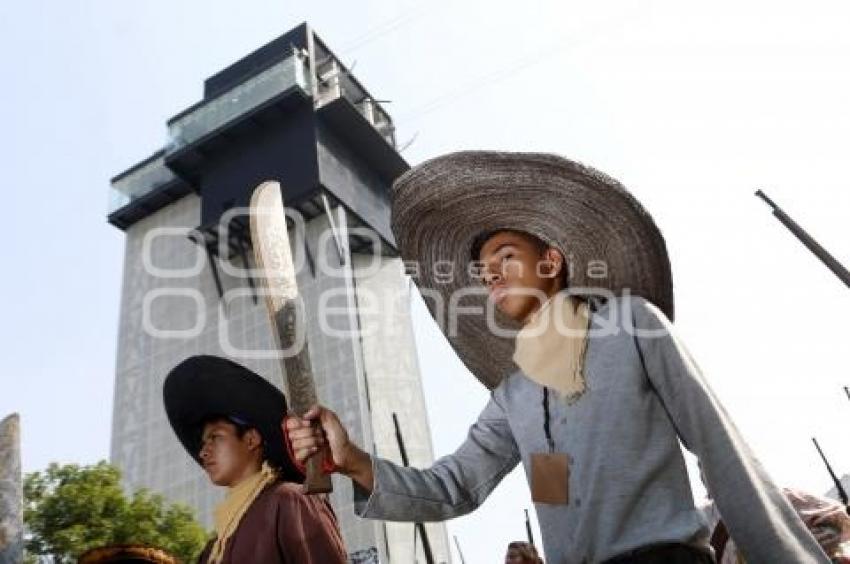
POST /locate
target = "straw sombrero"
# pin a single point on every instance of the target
(440, 206)
(127, 554)
(204, 386)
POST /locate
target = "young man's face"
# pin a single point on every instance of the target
(518, 273)
(228, 458)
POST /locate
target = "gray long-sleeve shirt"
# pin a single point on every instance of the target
(627, 479)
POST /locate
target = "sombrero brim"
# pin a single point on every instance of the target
(126, 554)
(440, 206)
(205, 386)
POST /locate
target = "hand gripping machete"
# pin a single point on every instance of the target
(273, 257)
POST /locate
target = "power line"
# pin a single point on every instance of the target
(384, 28)
(511, 68)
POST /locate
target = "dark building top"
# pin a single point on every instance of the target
(290, 111)
(259, 60)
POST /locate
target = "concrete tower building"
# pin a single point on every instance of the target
(291, 112)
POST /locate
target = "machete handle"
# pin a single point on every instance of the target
(317, 474)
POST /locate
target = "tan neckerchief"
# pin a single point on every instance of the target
(232, 508)
(551, 346)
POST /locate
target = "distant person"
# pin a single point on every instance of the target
(826, 518)
(520, 552)
(228, 419)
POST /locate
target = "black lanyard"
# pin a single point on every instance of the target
(546, 430)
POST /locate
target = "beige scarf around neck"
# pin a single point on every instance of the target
(551, 346)
(232, 508)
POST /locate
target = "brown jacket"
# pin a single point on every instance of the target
(284, 526)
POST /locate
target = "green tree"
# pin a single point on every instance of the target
(70, 509)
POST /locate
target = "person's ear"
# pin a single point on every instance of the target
(253, 439)
(552, 263)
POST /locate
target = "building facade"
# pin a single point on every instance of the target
(289, 112)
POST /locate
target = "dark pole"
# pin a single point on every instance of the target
(838, 485)
(528, 529)
(807, 240)
(847, 391)
(419, 527)
(459, 552)
(400, 441)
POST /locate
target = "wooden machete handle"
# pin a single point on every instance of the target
(316, 479)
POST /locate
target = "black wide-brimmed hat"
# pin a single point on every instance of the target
(204, 386)
(441, 207)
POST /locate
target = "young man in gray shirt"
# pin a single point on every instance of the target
(566, 316)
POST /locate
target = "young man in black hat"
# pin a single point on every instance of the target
(228, 419)
(567, 318)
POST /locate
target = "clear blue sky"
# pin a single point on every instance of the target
(693, 107)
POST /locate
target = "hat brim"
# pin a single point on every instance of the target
(126, 554)
(205, 386)
(439, 207)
